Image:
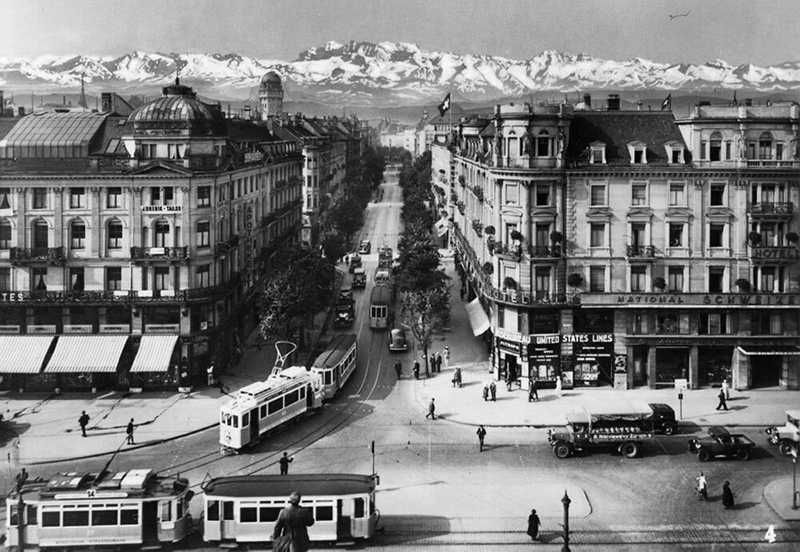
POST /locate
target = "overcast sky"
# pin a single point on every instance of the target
(738, 31)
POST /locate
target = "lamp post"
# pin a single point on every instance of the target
(794, 478)
(566, 501)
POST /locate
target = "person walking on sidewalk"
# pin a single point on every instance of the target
(431, 410)
(431, 365)
(457, 375)
(284, 462)
(702, 486)
(83, 421)
(558, 385)
(446, 355)
(398, 368)
(493, 390)
(485, 392)
(481, 436)
(722, 404)
(727, 495)
(727, 389)
(533, 391)
(439, 362)
(533, 525)
(129, 432)
(415, 370)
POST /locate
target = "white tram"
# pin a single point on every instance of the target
(134, 507)
(244, 508)
(263, 405)
(336, 363)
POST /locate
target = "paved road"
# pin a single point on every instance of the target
(438, 491)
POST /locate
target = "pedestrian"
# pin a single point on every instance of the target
(210, 374)
(458, 376)
(129, 431)
(431, 364)
(508, 381)
(485, 392)
(431, 410)
(439, 362)
(558, 385)
(722, 404)
(290, 533)
(702, 486)
(446, 357)
(284, 462)
(727, 389)
(727, 495)
(533, 525)
(462, 293)
(398, 368)
(21, 478)
(533, 391)
(416, 369)
(481, 436)
(493, 390)
(83, 421)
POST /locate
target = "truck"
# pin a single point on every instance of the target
(622, 427)
(385, 257)
(787, 436)
(721, 443)
(345, 313)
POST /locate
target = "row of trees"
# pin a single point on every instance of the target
(425, 292)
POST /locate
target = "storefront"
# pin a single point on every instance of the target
(23, 357)
(509, 358)
(81, 363)
(592, 357)
(544, 354)
(155, 365)
(764, 365)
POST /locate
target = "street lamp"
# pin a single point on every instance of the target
(566, 501)
(794, 478)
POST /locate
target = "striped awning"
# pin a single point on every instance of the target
(86, 354)
(477, 317)
(23, 354)
(154, 354)
(761, 350)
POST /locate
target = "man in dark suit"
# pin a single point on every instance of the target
(292, 522)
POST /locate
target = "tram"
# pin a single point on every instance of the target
(380, 307)
(336, 363)
(263, 405)
(132, 508)
(244, 508)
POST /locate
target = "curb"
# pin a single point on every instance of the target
(135, 447)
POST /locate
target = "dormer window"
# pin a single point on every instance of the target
(674, 152)
(597, 153)
(638, 152)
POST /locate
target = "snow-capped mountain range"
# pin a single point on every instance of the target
(393, 72)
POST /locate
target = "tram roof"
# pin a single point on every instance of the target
(381, 295)
(318, 484)
(102, 486)
(335, 351)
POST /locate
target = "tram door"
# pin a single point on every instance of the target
(344, 513)
(150, 522)
(254, 425)
(227, 529)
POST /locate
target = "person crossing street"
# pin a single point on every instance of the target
(481, 436)
(431, 410)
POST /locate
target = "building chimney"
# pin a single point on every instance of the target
(587, 101)
(613, 102)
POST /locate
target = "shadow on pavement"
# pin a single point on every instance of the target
(408, 529)
(744, 505)
(11, 430)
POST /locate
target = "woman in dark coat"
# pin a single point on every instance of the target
(727, 495)
(533, 525)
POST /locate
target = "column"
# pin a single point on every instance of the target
(631, 366)
(694, 376)
(96, 249)
(740, 368)
(651, 367)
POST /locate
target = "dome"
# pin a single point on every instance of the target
(271, 79)
(172, 109)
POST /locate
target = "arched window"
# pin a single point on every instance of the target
(160, 233)
(543, 144)
(5, 234)
(765, 146)
(77, 235)
(115, 234)
(40, 231)
(715, 147)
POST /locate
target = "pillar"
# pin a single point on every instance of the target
(631, 366)
(740, 369)
(694, 372)
(791, 371)
(651, 367)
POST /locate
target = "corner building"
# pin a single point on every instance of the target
(654, 247)
(141, 239)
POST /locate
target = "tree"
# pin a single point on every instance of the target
(425, 312)
(334, 245)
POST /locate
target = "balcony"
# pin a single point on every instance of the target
(545, 251)
(144, 254)
(641, 252)
(21, 256)
(780, 210)
(508, 252)
(775, 254)
(223, 247)
(772, 163)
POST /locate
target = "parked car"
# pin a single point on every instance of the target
(721, 443)
(663, 418)
(359, 278)
(355, 262)
(397, 341)
(787, 436)
(364, 247)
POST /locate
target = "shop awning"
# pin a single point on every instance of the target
(23, 354)
(154, 354)
(86, 354)
(477, 317)
(753, 350)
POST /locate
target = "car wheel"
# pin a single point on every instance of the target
(703, 455)
(669, 429)
(562, 450)
(629, 450)
(786, 447)
(742, 454)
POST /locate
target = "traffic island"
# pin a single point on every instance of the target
(778, 494)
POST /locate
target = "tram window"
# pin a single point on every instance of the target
(245, 420)
(263, 412)
(302, 393)
(129, 517)
(14, 518)
(248, 515)
(51, 519)
(275, 406)
(327, 380)
(227, 510)
(76, 518)
(290, 398)
(212, 510)
(165, 510)
(105, 517)
(30, 515)
(358, 508)
(268, 514)
(324, 513)
(235, 420)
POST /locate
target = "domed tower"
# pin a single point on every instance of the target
(271, 95)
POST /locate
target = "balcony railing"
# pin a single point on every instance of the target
(24, 255)
(778, 208)
(511, 252)
(641, 251)
(772, 163)
(545, 251)
(160, 253)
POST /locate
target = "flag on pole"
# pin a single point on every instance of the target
(444, 107)
(667, 103)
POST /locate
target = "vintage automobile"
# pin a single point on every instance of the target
(663, 418)
(359, 278)
(364, 247)
(355, 262)
(397, 340)
(345, 309)
(721, 443)
(787, 436)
